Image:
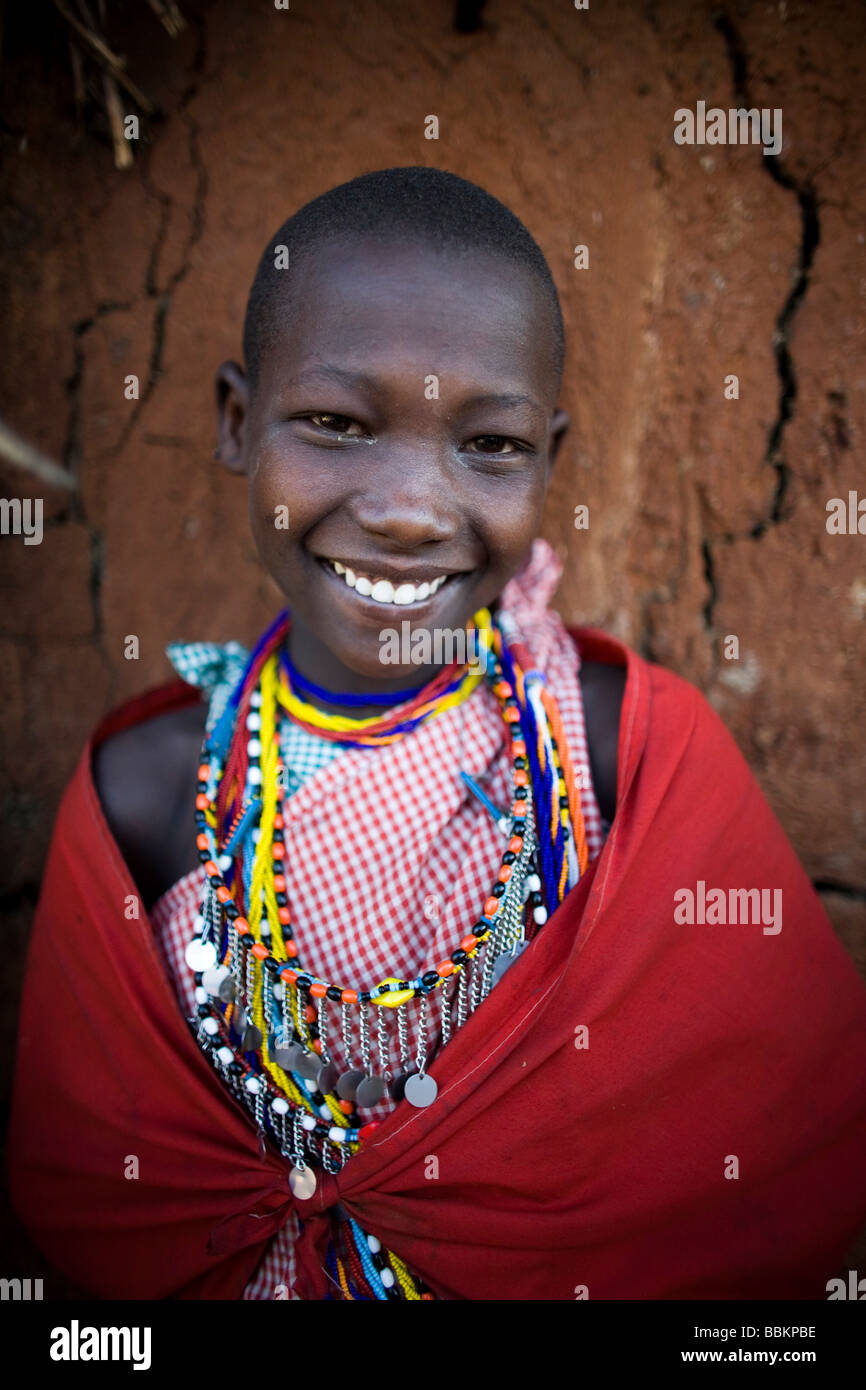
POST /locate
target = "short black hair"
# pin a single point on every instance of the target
(427, 205)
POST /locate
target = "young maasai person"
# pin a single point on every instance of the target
(418, 1008)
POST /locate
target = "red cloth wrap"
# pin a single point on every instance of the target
(558, 1166)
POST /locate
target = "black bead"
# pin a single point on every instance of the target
(459, 956)
(520, 762)
(272, 966)
(431, 978)
(304, 981)
(497, 890)
(281, 899)
(335, 993)
(364, 997)
(520, 794)
(536, 899)
(563, 801)
(509, 856)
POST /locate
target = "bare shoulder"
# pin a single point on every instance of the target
(145, 777)
(602, 687)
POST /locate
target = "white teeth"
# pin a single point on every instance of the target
(383, 591)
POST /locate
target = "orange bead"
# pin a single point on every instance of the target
(279, 823)
(210, 868)
(242, 926)
(289, 976)
(284, 915)
(511, 716)
(515, 844)
(279, 883)
(346, 1106)
(202, 841)
(349, 996)
(505, 873)
(469, 943)
(318, 991)
(223, 894)
(520, 778)
(518, 809)
(202, 802)
(203, 772)
(260, 952)
(317, 1047)
(518, 748)
(291, 950)
(491, 907)
(309, 1013)
(445, 969)
(278, 850)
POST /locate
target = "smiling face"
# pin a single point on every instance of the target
(406, 499)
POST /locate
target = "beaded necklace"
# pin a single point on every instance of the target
(263, 1018)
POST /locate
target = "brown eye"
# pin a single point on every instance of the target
(495, 444)
(339, 424)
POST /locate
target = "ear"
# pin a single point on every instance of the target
(233, 403)
(559, 425)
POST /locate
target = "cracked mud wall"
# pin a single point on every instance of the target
(707, 516)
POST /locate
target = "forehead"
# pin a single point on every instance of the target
(406, 308)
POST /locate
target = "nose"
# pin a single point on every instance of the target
(409, 506)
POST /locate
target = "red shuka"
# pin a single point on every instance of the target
(712, 1051)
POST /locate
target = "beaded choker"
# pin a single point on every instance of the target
(265, 1017)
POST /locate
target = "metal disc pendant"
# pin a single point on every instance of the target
(214, 978)
(370, 1091)
(507, 959)
(421, 1091)
(287, 1057)
(227, 990)
(200, 955)
(327, 1078)
(252, 1039)
(398, 1085)
(308, 1065)
(302, 1181)
(348, 1084)
(240, 1021)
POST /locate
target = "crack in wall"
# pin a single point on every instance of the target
(845, 890)
(810, 237)
(72, 447)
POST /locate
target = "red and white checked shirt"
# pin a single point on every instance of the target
(390, 856)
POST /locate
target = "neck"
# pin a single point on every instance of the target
(317, 663)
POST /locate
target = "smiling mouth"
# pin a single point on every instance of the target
(388, 593)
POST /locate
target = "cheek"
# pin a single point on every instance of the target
(513, 520)
(283, 501)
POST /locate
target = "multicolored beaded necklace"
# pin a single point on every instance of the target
(263, 1019)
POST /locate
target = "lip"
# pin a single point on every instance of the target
(367, 607)
(381, 569)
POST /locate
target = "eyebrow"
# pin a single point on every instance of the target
(504, 399)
